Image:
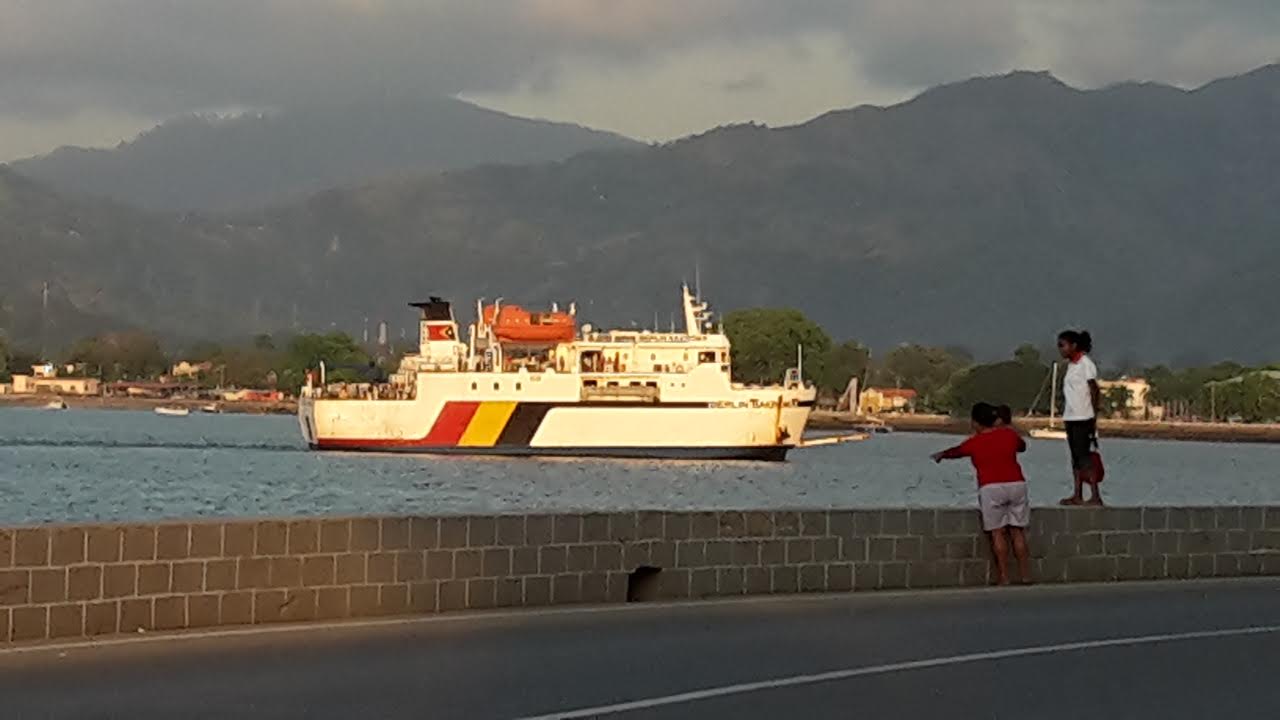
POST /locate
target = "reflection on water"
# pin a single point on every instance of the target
(113, 465)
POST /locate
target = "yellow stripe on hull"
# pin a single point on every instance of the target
(487, 424)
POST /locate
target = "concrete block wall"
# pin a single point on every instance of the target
(71, 581)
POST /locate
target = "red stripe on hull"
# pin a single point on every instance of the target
(452, 423)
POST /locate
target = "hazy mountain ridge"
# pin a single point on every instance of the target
(226, 163)
(983, 213)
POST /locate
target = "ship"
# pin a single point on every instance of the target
(529, 383)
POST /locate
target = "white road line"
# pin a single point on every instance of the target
(795, 680)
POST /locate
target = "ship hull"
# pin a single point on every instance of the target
(761, 453)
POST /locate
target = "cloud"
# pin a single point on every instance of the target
(63, 59)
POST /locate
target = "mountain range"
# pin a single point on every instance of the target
(218, 163)
(984, 214)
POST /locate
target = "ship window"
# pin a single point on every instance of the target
(588, 383)
(473, 386)
(495, 386)
(517, 386)
(635, 383)
(651, 384)
(653, 356)
(686, 356)
(706, 357)
(612, 384)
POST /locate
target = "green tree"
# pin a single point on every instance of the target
(124, 355)
(765, 341)
(847, 360)
(921, 368)
(1027, 354)
(344, 359)
(1115, 401)
(1016, 383)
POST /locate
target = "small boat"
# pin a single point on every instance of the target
(514, 324)
(1053, 432)
(173, 411)
(211, 408)
(58, 404)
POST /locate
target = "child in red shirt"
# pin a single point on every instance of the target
(1002, 489)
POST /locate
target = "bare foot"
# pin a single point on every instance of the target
(1070, 501)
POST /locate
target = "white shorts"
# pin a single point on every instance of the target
(1004, 505)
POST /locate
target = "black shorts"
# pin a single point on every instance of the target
(1081, 437)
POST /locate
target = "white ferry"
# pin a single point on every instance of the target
(533, 384)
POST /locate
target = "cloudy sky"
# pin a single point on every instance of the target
(94, 72)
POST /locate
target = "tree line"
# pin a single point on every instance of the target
(947, 379)
(260, 362)
(764, 342)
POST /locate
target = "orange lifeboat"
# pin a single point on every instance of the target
(512, 323)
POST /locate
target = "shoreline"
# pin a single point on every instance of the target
(819, 420)
(76, 402)
(1126, 429)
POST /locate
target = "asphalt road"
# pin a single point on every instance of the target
(1169, 650)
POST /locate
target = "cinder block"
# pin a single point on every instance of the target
(691, 554)
(202, 610)
(120, 581)
(482, 531)
(287, 572)
(595, 587)
(49, 586)
(868, 523)
(206, 540)
(173, 542)
(304, 537)
(813, 578)
(469, 563)
(786, 523)
(731, 581)
(908, 548)
(238, 539)
(676, 526)
(595, 528)
(31, 547)
(394, 533)
(496, 563)
(380, 567)
(893, 575)
(482, 593)
(410, 566)
(840, 577)
(424, 532)
(103, 545)
(453, 532)
(813, 524)
(702, 582)
(84, 582)
(102, 618)
(567, 529)
(733, 524)
(567, 588)
(799, 550)
(68, 546)
(538, 530)
(922, 522)
(581, 558)
(234, 608)
(703, 526)
(187, 576)
(622, 527)
(538, 591)
(66, 620)
(366, 534)
(29, 623)
(271, 538)
(170, 612)
(335, 535)
(784, 580)
(649, 526)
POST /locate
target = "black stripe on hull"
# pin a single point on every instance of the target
(523, 423)
(770, 453)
